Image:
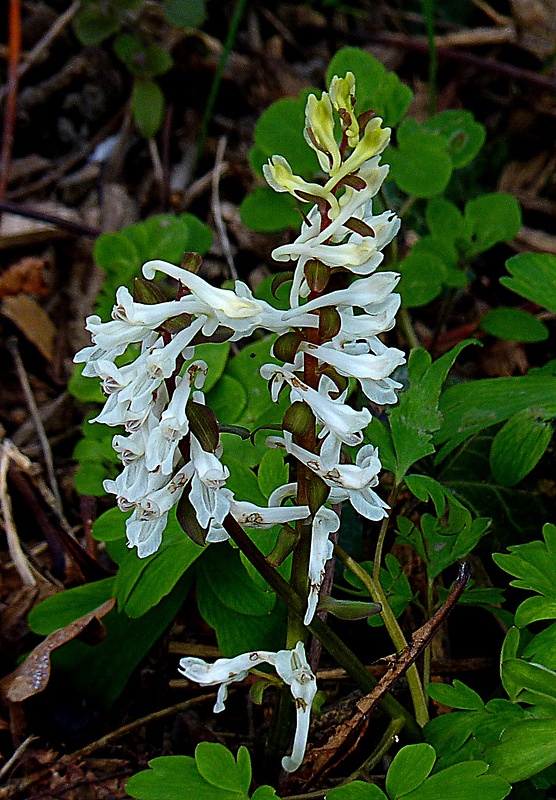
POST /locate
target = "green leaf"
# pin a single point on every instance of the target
(492, 218)
(468, 408)
(228, 399)
(519, 675)
(525, 749)
(534, 566)
(222, 570)
(465, 136)
(375, 88)
(460, 782)
(110, 525)
(239, 633)
(147, 106)
(417, 416)
(423, 274)
(94, 24)
(87, 390)
(142, 582)
(267, 211)
(533, 277)
(457, 696)
(89, 478)
(175, 778)
(514, 325)
(518, 446)
(218, 767)
(420, 165)
(68, 605)
(280, 130)
(185, 13)
(100, 673)
(446, 221)
(273, 472)
(356, 790)
(410, 767)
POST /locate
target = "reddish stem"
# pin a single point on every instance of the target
(14, 54)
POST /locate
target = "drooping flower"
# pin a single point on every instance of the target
(291, 666)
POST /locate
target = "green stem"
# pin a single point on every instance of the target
(427, 655)
(390, 737)
(335, 646)
(428, 10)
(404, 320)
(382, 535)
(217, 80)
(394, 631)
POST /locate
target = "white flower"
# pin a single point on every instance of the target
(237, 310)
(325, 522)
(344, 421)
(291, 666)
(371, 370)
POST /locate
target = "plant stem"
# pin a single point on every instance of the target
(382, 535)
(394, 631)
(408, 330)
(318, 628)
(217, 80)
(428, 10)
(390, 737)
(427, 655)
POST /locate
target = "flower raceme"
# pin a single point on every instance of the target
(327, 340)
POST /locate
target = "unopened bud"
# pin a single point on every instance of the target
(317, 275)
(147, 292)
(286, 346)
(330, 323)
(203, 425)
(349, 609)
(317, 492)
(187, 518)
(191, 262)
(298, 419)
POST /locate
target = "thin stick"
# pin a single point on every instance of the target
(17, 555)
(45, 42)
(217, 207)
(390, 737)
(70, 225)
(11, 90)
(16, 754)
(36, 417)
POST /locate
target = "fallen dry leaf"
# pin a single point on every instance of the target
(33, 675)
(33, 322)
(26, 275)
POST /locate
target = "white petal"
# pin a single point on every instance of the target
(325, 522)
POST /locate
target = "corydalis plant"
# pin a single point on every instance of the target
(338, 308)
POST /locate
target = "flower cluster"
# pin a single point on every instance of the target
(328, 341)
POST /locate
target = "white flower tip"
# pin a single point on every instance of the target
(290, 764)
(149, 269)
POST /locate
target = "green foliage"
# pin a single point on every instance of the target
(244, 615)
(420, 164)
(409, 777)
(394, 582)
(213, 774)
(533, 277)
(267, 211)
(468, 408)
(416, 417)
(514, 325)
(518, 446)
(455, 239)
(440, 541)
(534, 566)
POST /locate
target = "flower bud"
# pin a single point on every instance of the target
(146, 292)
(191, 262)
(317, 275)
(187, 518)
(317, 492)
(330, 323)
(203, 425)
(286, 346)
(298, 419)
(349, 609)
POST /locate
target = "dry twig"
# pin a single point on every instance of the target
(8, 452)
(217, 208)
